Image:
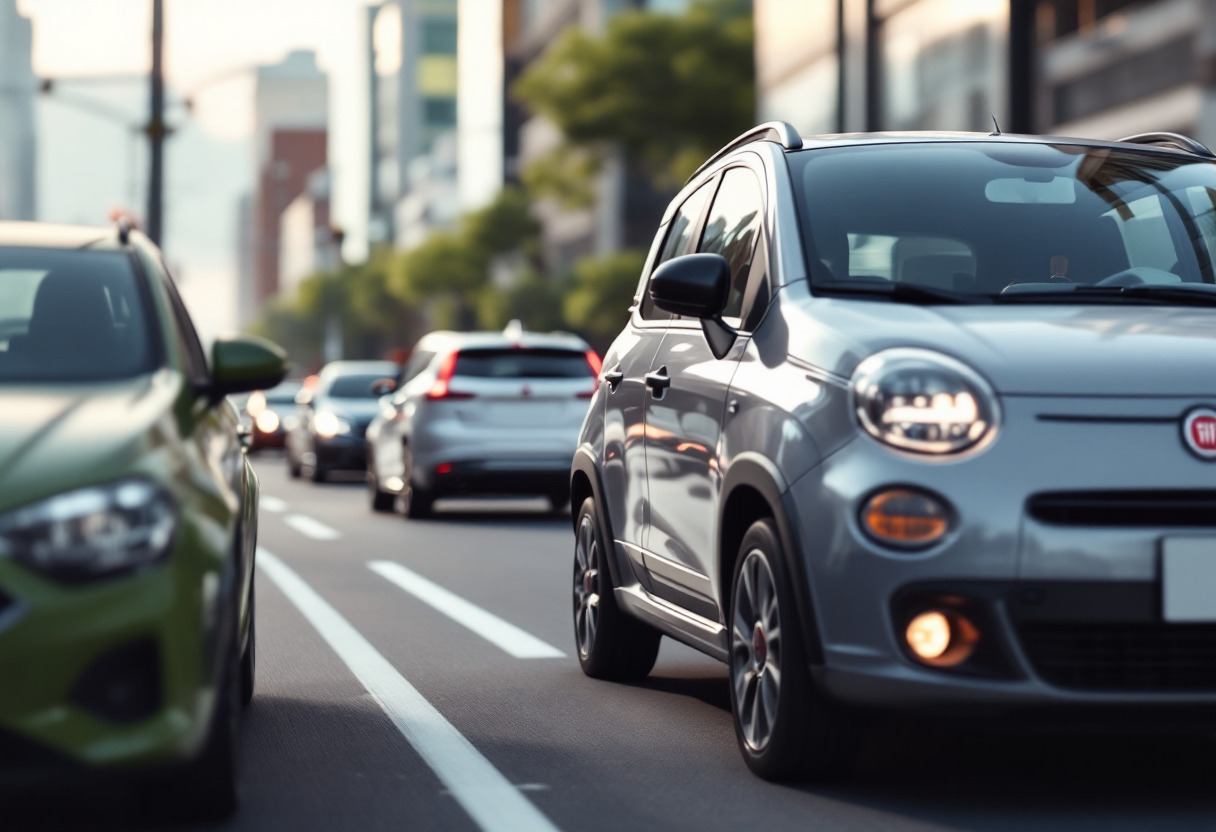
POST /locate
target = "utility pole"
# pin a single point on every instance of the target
(156, 127)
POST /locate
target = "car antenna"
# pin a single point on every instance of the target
(997, 131)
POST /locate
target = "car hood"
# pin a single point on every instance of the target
(1042, 349)
(57, 438)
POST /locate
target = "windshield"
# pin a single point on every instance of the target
(70, 315)
(355, 386)
(986, 220)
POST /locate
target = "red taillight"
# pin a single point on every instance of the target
(443, 468)
(595, 364)
(441, 388)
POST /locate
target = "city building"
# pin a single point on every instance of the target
(18, 87)
(1090, 68)
(291, 143)
(308, 242)
(413, 93)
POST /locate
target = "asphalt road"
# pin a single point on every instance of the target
(486, 722)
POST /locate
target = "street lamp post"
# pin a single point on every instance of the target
(156, 128)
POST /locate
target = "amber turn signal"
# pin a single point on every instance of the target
(905, 518)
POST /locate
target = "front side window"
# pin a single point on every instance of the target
(72, 315)
(679, 241)
(732, 230)
(983, 222)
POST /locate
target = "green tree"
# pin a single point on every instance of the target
(602, 292)
(669, 90)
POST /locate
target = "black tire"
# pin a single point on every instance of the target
(249, 659)
(318, 474)
(293, 468)
(610, 644)
(419, 503)
(379, 501)
(803, 734)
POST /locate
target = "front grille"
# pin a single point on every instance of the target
(1125, 508)
(1123, 657)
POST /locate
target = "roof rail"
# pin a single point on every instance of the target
(1171, 140)
(124, 230)
(780, 132)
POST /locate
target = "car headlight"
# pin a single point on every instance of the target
(92, 533)
(924, 402)
(267, 421)
(328, 425)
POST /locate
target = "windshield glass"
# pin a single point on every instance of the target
(70, 315)
(354, 386)
(975, 219)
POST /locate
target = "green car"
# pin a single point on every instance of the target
(128, 522)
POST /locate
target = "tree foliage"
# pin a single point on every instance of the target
(599, 299)
(670, 90)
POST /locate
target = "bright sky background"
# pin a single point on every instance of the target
(210, 159)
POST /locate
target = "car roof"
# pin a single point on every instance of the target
(346, 368)
(52, 235)
(442, 341)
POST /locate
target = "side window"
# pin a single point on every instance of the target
(679, 241)
(1146, 235)
(192, 349)
(732, 230)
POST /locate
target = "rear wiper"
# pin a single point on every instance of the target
(901, 292)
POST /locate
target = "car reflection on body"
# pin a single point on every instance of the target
(920, 422)
(326, 432)
(268, 413)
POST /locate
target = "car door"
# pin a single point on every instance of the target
(685, 403)
(625, 369)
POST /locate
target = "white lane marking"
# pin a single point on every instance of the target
(272, 504)
(313, 528)
(520, 644)
(490, 799)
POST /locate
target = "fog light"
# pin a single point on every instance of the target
(941, 638)
(905, 518)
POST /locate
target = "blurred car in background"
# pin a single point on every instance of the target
(326, 434)
(268, 412)
(481, 413)
(128, 522)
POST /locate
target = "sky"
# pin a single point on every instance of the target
(211, 46)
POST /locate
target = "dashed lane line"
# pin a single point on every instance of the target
(272, 504)
(503, 634)
(491, 800)
(312, 528)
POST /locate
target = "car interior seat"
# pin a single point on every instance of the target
(71, 321)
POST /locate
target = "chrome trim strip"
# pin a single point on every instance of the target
(700, 633)
(678, 573)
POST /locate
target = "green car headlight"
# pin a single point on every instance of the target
(92, 533)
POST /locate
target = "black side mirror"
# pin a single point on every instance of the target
(697, 286)
(383, 386)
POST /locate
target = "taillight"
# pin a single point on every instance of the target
(596, 365)
(441, 389)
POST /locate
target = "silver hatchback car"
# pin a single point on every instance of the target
(481, 413)
(919, 422)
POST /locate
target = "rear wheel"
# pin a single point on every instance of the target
(611, 645)
(785, 728)
(319, 474)
(379, 500)
(419, 503)
(293, 467)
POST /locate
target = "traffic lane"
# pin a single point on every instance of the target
(661, 752)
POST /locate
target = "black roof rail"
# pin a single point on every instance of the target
(1172, 140)
(780, 132)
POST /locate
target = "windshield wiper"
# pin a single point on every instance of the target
(900, 292)
(1173, 293)
(1082, 293)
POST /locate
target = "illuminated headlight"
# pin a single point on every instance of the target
(328, 425)
(92, 533)
(923, 402)
(267, 421)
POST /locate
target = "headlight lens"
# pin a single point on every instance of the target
(328, 425)
(267, 421)
(92, 533)
(924, 402)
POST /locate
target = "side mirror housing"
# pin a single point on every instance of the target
(697, 286)
(243, 363)
(383, 386)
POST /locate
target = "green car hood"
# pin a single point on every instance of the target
(55, 438)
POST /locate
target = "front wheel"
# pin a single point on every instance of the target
(785, 728)
(611, 644)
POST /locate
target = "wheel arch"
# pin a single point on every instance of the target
(753, 489)
(584, 483)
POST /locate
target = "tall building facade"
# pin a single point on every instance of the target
(1089, 68)
(413, 89)
(18, 87)
(291, 138)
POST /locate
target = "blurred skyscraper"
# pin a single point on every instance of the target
(1092, 68)
(18, 87)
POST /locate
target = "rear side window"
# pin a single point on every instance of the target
(522, 363)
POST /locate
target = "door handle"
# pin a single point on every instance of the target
(614, 377)
(658, 382)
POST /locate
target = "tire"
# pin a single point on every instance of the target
(379, 501)
(318, 474)
(785, 728)
(419, 503)
(249, 659)
(293, 467)
(610, 644)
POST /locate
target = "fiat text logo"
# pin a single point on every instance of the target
(1199, 432)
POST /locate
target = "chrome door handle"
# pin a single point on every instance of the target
(658, 381)
(612, 378)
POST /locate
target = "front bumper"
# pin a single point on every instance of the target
(108, 675)
(1040, 582)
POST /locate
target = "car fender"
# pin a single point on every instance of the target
(585, 464)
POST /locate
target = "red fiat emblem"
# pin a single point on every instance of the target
(1199, 432)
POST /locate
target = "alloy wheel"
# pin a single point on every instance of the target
(755, 650)
(586, 586)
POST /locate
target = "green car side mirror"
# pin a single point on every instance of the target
(243, 363)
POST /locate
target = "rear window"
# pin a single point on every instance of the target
(354, 386)
(72, 316)
(517, 363)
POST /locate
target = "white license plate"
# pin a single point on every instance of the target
(1188, 579)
